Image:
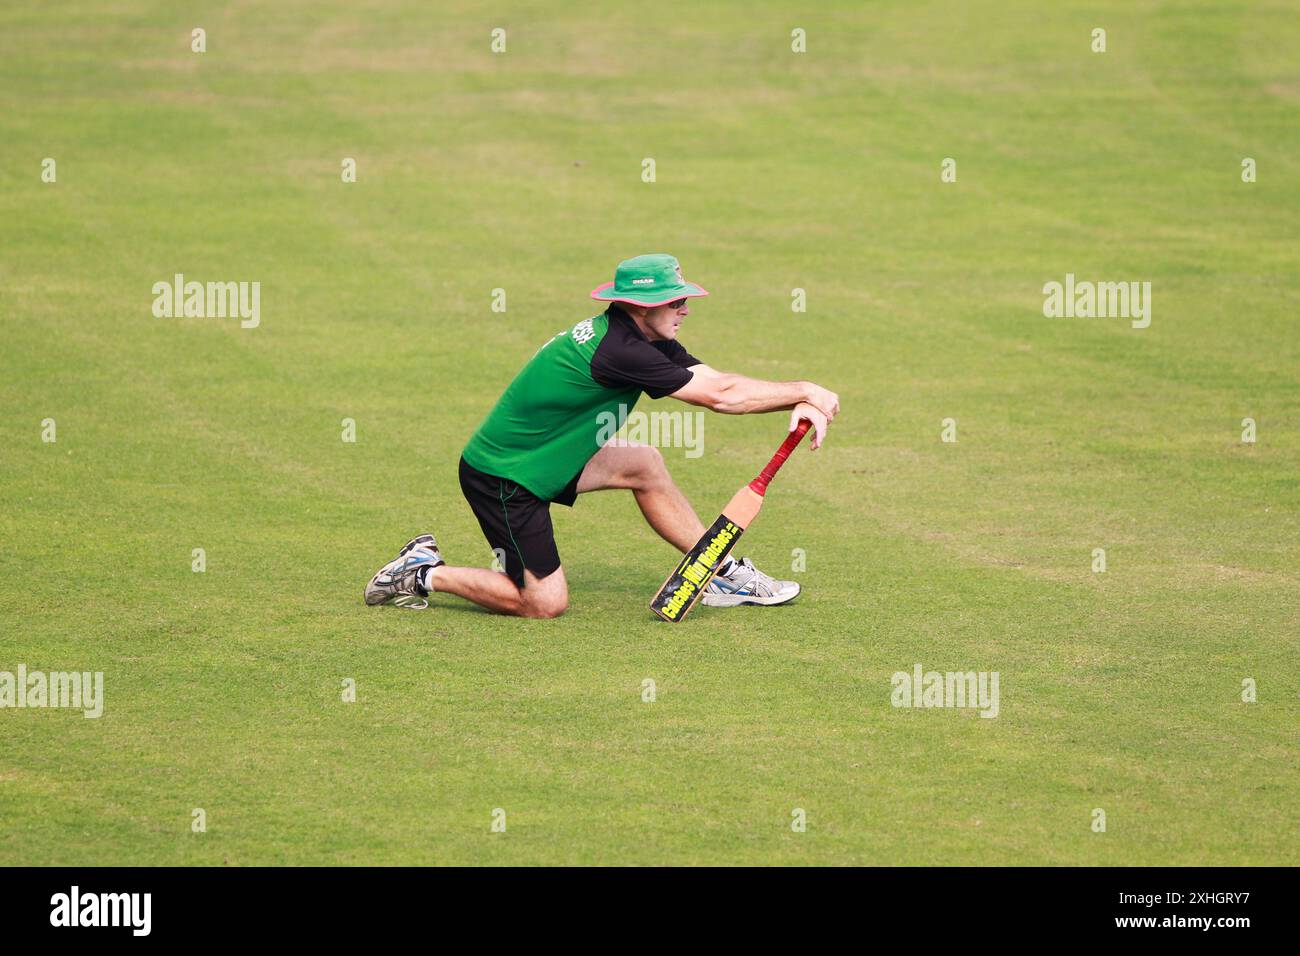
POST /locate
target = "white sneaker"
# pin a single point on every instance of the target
(745, 584)
(398, 581)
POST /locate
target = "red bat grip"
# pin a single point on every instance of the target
(759, 484)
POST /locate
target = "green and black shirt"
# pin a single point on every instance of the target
(548, 423)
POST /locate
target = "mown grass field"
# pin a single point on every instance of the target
(774, 171)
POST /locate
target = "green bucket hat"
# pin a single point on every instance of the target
(648, 280)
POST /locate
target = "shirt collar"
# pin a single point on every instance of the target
(616, 313)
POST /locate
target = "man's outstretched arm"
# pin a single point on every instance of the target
(733, 394)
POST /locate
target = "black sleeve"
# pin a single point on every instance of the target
(620, 363)
(677, 354)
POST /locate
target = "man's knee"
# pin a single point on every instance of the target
(545, 597)
(542, 606)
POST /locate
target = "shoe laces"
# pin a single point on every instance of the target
(753, 578)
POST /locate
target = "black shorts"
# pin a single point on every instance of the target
(516, 523)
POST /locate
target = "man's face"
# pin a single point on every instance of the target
(663, 321)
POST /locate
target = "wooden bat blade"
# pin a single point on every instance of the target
(697, 567)
(689, 579)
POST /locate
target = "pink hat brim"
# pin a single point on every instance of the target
(596, 294)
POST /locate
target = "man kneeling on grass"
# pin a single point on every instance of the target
(541, 444)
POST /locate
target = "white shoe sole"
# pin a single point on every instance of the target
(735, 600)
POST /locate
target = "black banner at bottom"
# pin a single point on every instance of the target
(1178, 905)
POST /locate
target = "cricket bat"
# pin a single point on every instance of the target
(688, 581)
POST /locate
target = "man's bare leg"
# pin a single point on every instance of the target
(641, 468)
(540, 597)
